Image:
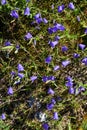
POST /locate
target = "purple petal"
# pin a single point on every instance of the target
(3, 2)
(10, 91)
(33, 78)
(71, 6)
(27, 11)
(50, 91)
(48, 59)
(20, 67)
(3, 117)
(28, 36)
(45, 126)
(56, 67)
(55, 116)
(60, 8)
(65, 63)
(50, 106)
(14, 14)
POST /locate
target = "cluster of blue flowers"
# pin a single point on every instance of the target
(28, 36)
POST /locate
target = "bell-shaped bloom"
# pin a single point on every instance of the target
(71, 90)
(81, 89)
(59, 27)
(39, 20)
(52, 78)
(55, 116)
(3, 2)
(3, 117)
(28, 36)
(50, 91)
(44, 78)
(20, 67)
(53, 101)
(50, 106)
(57, 67)
(57, 38)
(14, 14)
(53, 43)
(10, 91)
(78, 18)
(65, 63)
(84, 60)
(82, 46)
(20, 75)
(71, 6)
(37, 16)
(48, 59)
(85, 31)
(64, 48)
(33, 78)
(45, 20)
(69, 84)
(27, 11)
(68, 78)
(61, 8)
(45, 126)
(75, 55)
(7, 43)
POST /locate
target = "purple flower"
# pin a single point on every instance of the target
(10, 90)
(69, 79)
(7, 43)
(33, 78)
(78, 18)
(53, 43)
(51, 78)
(53, 101)
(20, 67)
(44, 78)
(3, 117)
(48, 59)
(37, 16)
(65, 63)
(71, 90)
(27, 11)
(85, 31)
(55, 116)
(14, 14)
(28, 36)
(3, 2)
(45, 126)
(71, 6)
(59, 27)
(50, 91)
(39, 20)
(82, 46)
(84, 60)
(56, 67)
(57, 38)
(50, 106)
(69, 84)
(45, 20)
(60, 8)
(75, 55)
(21, 75)
(50, 30)
(81, 89)
(27, 0)
(64, 48)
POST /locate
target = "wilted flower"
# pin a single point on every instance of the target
(31, 101)
(53, 43)
(28, 36)
(27, 11)
(50, 91)
(10, 90)
(60, 8)
(56, 67)
(3, 2)
(50, 106)
(84, 60)
(55, 116)
(3, 117)
(45, 126)
(21, 75)
(82, 46)
(65, 63)
(78, 18)
(33, 78)
(64, 48)
(85, 31)
(7, 43)
(45, 20)
(40, 116)
(48, 59)
(14, 14)
(20, 67)
(71, 6)
(71, 90)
